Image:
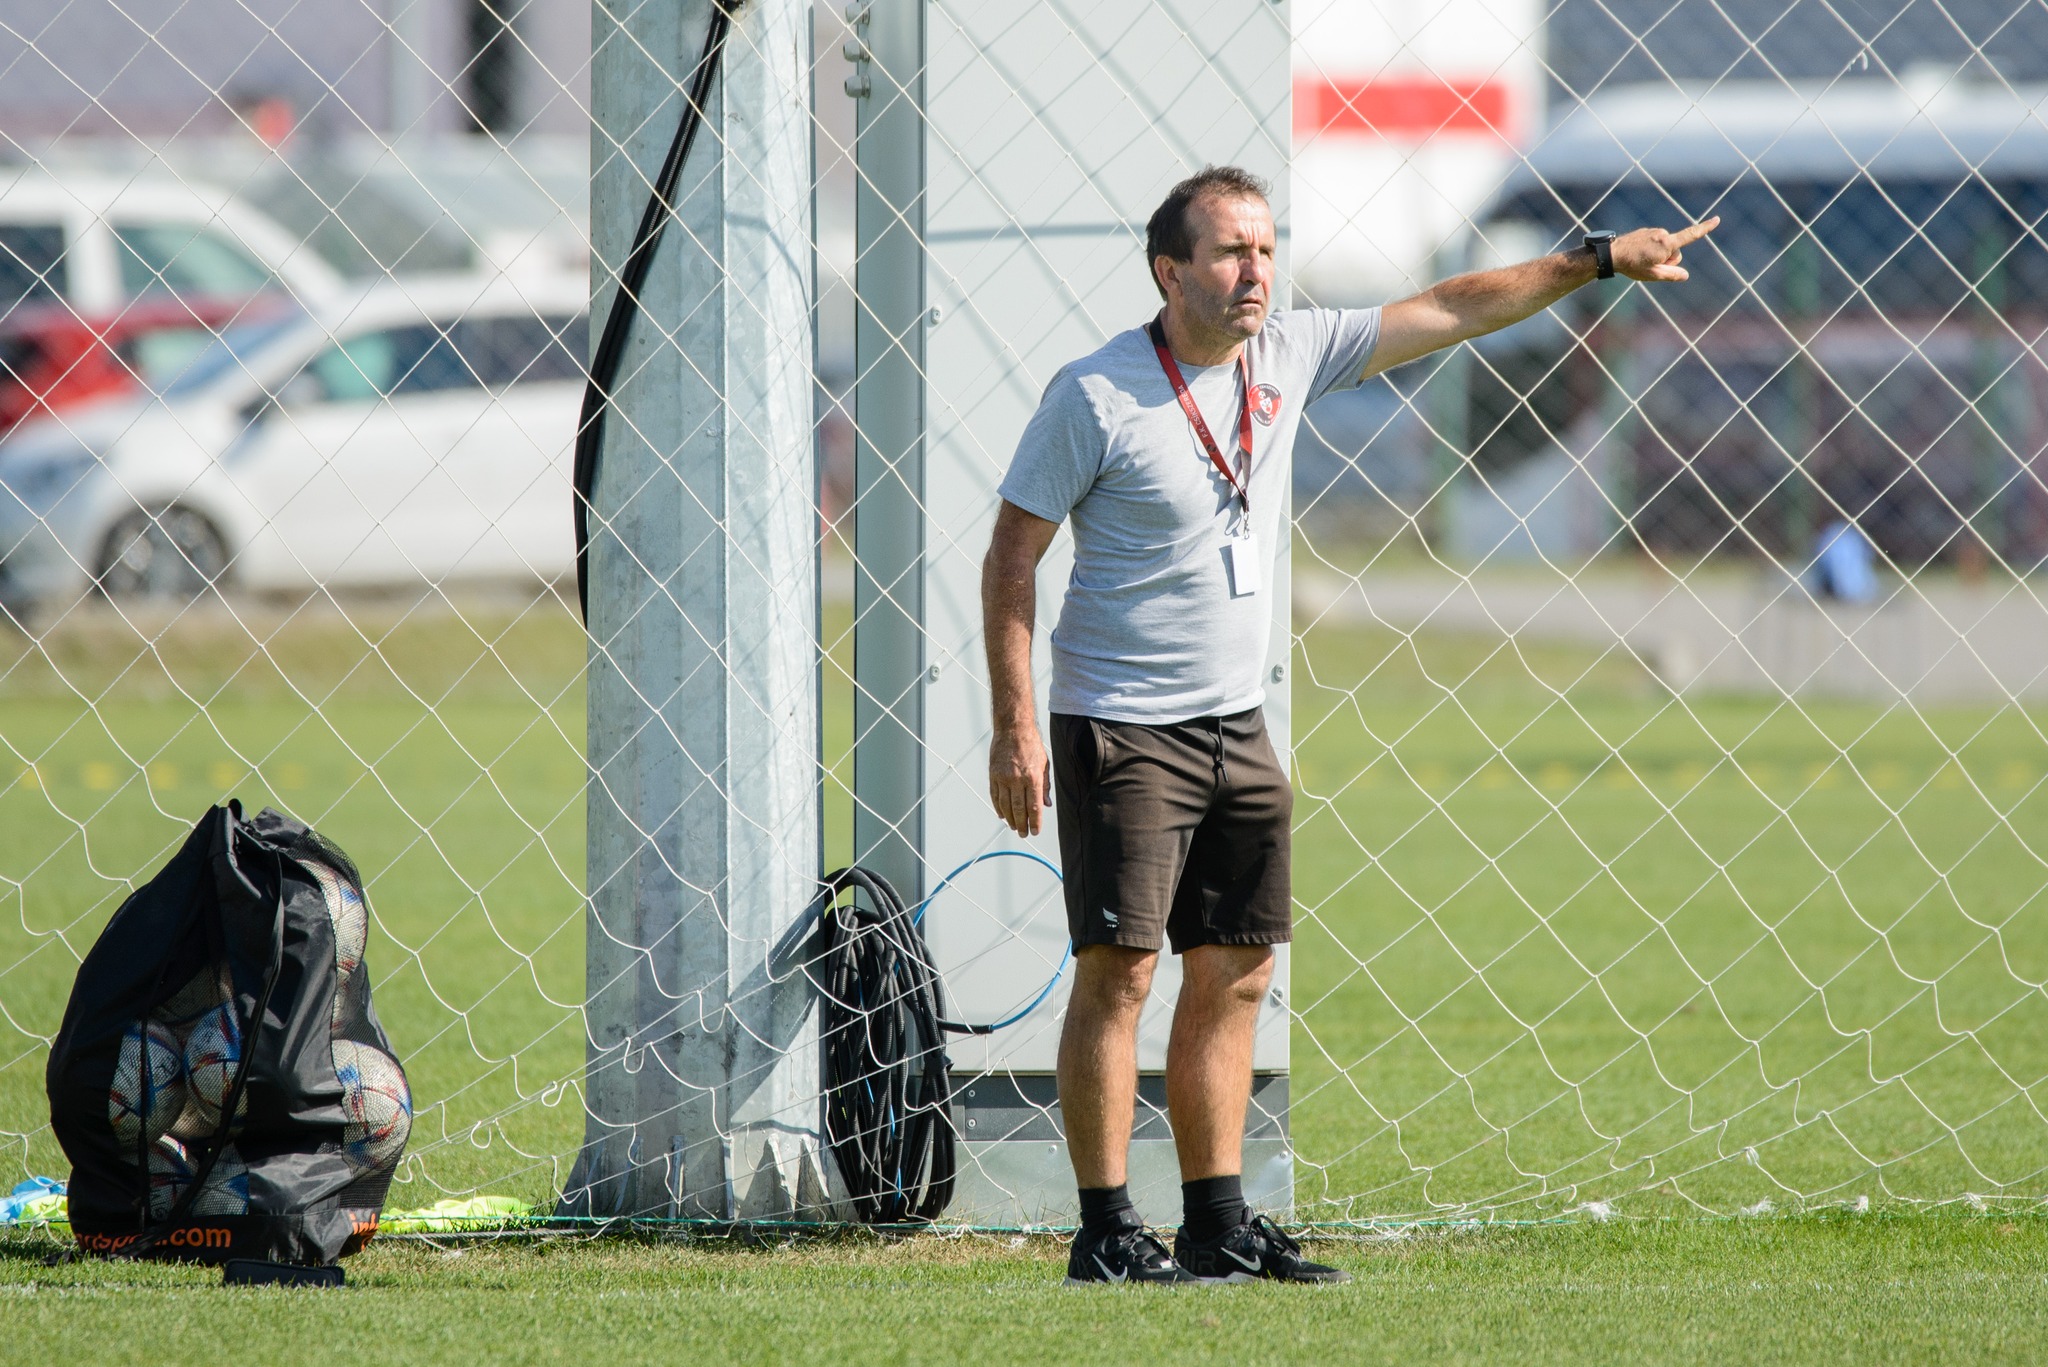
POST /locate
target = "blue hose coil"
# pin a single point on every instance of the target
(917, 917)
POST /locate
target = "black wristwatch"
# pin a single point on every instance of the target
(1603, 253)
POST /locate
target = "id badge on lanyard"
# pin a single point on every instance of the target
(1241, 563)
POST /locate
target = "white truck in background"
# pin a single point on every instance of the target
(98, 241)
(1406, 120)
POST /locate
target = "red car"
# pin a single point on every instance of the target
(52, 359)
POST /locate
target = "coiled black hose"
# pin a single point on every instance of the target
(882, 1026)
(611, 347)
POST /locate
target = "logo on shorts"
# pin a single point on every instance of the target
(1109, 918)
(1265, 404)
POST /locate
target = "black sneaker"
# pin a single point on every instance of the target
(1128, 1254)
(1253, 1250)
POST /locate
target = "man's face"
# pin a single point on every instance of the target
(1227, 287)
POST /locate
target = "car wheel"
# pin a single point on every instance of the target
(171, 553)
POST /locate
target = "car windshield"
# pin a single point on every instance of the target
(176, 370)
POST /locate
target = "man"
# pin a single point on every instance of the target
(1169, 450)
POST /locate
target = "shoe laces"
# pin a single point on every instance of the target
(1141, 1246)
(1263, 1226)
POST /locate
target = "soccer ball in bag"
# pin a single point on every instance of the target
(350, 917)
(144, 1102)
(170, 1172)
(227, 1187)
(213, 1056)
(205, 990)
(377, 1102)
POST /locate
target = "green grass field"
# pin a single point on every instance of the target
(1926, 1289)
(1568, 938)
(1564, 939)
(441, 750)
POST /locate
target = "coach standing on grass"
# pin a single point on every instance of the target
(1170, 449)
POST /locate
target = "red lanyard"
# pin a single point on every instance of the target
(1187, 406)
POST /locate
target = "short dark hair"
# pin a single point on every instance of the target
(1168, 235)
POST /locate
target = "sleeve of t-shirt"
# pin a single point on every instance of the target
(1059, 455)
(1349, 337)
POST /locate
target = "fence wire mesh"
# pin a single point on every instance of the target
(1666, 669)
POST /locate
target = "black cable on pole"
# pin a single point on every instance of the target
(888, 1082)
(611, 347)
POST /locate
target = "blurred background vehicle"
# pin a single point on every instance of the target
(53, 359)
(96, 242)
(1859, 343)
(366, 209)
(405, 433)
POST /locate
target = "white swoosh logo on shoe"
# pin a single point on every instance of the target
(1108, 1275)
(1248, 1264)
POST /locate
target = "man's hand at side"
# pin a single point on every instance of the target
(1019, 772)
(1019, 777)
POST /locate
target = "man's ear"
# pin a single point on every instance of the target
(1162, 272)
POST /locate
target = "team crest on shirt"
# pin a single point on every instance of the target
(1265, 404)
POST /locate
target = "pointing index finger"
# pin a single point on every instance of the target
(1685, 237)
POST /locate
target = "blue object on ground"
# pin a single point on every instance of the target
(1844, 565)
(15, 1203)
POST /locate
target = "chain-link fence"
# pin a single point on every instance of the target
(1661, 674)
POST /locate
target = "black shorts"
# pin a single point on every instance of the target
(1180, 834)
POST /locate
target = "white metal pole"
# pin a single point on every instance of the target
(889, 452)
(702, 1082)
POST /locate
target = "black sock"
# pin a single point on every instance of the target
(1107, 1208)
(1213, 1206)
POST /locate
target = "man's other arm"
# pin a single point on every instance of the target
(1468, 306)
(1019, 772)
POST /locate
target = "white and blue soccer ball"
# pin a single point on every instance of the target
(148, 1092)
(377, 1103)
(350, 917)
(205, 990)
(170, 1172)
(226, 1190)
(213, 1059)
(173, 1168)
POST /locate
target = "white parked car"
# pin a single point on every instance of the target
(96, 241)
(414, 432)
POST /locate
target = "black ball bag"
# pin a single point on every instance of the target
(220, 1082)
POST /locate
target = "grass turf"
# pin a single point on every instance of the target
(1927, 1289)
(1564, 938)
(1556, 929)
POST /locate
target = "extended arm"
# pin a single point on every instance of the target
(1019, 773)
(1468, 306)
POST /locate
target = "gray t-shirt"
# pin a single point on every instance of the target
(1150, 631)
